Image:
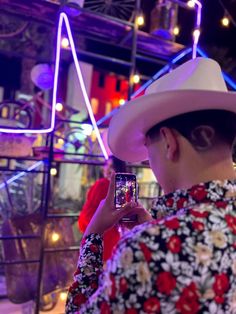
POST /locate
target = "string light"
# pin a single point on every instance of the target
(191, 4)
(65, 42)
(59, 106)
(136, 78)
(61, 141)
(176, 31)
(121, 102)
(53, 171)
(225, 21)
(140, 19)
(55, 236)
(63, 296)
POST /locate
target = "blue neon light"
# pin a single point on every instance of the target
(21, 174)
(227, 78)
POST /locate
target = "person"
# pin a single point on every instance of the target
(96, 193)
(185, 262)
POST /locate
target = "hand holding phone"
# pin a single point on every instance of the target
(106, 216)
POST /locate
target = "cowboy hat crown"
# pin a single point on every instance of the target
(195, 85)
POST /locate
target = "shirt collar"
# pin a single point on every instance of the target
(212, 191)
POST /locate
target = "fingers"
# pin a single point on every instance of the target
(111, 189)
(129, 208)
(133, 208)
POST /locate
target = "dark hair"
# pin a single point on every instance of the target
(118, 165)
(223, 122)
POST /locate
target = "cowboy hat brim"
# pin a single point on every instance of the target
(127, 129)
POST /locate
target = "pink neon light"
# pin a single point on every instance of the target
(52, 121)
(197, 27)
(64, 17)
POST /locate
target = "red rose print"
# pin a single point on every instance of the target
(181, 203)
(186, 306)
(94, 285)
(188, 301)
(198, 193)
(131, 311)
(221, 284)
(74, 286)
(123, 285)
(146, 252)
(172, 223)
(151, 305)
(113, 287)
(231, 222)
(165, 282)
(94, 248)
(77, 272)
(221, 204)
(197, 225)
(199, 214)
(174, 244)
(105, 309)
(79, 299)
(219, 299)
(170, 202)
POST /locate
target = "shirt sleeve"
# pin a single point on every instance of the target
(125, 273)
(86, 276)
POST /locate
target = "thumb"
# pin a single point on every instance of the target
(129, 208)
(111, 189)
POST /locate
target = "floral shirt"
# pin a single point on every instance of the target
(183, 263)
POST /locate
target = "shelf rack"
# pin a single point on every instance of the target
(116, 43)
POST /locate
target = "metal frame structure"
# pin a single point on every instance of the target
(135, 55)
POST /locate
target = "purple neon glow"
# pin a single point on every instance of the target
(63, 17)
(197, 27)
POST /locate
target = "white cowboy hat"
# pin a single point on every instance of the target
(195, 85)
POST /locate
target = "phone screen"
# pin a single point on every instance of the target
(125, 189)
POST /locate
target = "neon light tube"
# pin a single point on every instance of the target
(196, 33)
(64, 17)
(21, 174)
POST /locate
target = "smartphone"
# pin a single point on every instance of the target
(125, 192)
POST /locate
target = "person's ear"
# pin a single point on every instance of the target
(170, 142)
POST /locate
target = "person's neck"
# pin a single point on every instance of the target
(192, 173)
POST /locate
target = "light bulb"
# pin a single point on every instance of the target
(65, 42)
(63, 296)
(121, 102)
(225, 21)
(61, 141)
(55, 236)
(59, 106)
(176, 30)
(136, 78)
(140, 20)
(191, 3)
(53, 171)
